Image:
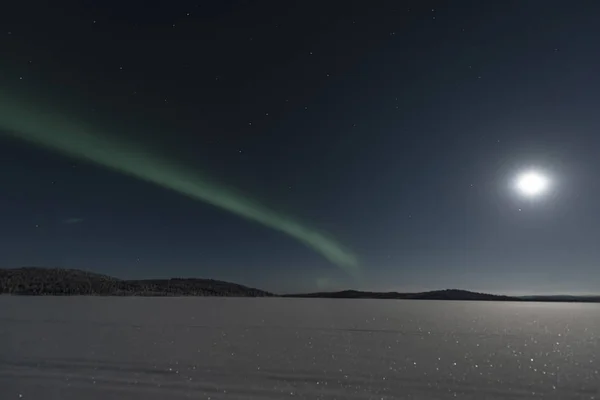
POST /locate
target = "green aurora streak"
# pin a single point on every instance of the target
(64, 135)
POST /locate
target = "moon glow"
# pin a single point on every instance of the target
(532, 183)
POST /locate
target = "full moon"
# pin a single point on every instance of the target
(532, 183)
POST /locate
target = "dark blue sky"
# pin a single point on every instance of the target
(395, 127)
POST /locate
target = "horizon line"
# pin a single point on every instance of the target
(286, 293)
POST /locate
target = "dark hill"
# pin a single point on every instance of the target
(455, 294)
(449, 294)
(57, 281)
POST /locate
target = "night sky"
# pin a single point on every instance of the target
(389, 133)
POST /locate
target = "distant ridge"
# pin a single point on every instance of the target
(68, 282)
(448, 294)
(35, 281)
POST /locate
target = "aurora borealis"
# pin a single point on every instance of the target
(58, 132)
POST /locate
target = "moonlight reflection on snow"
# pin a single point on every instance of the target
(219, 348)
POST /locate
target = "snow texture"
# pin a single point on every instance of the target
(88, 348)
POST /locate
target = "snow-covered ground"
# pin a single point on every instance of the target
(222, 348)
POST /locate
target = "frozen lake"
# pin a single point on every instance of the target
(224, 348)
